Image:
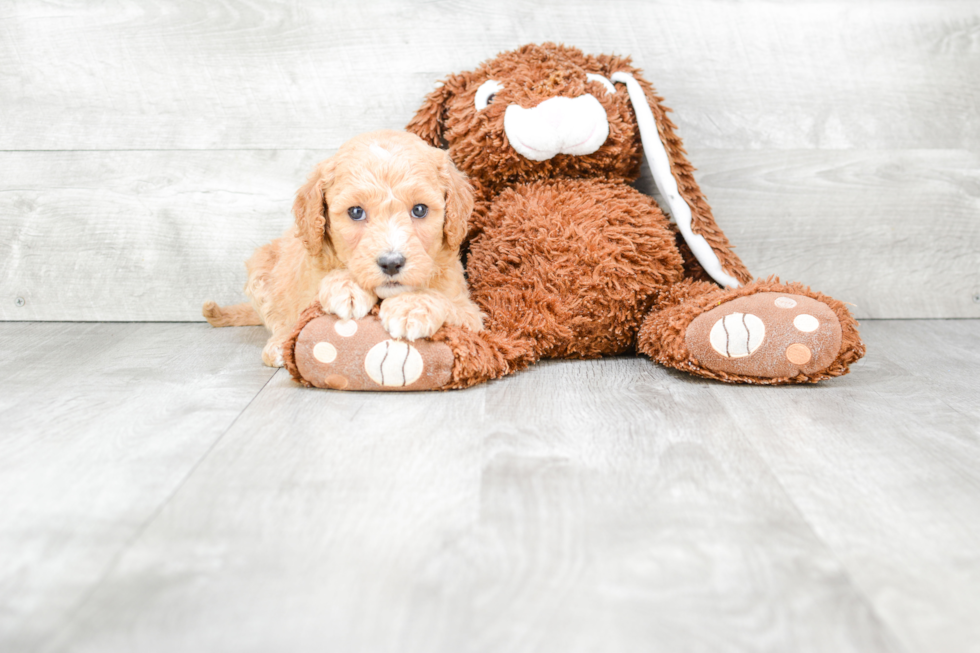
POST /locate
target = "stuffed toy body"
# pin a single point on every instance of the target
(567, 260)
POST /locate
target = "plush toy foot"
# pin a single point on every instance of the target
(327, 352)
(760, 337)
(769, 335)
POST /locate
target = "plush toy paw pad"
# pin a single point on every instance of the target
(360, 355)
(737, 335)
(394, 363)
(766, 335)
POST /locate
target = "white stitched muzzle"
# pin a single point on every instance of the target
(559, 125)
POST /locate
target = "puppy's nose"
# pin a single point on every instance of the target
(391, 263)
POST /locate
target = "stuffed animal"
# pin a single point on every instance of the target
(567, 260)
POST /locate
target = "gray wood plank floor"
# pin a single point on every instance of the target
(163, 491)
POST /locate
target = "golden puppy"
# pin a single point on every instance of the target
(383, 218)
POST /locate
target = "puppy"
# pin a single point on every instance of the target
(382, 219)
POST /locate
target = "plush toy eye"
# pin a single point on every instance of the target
(485, 94)
(592, 77)
(356, 213)
(420, 211)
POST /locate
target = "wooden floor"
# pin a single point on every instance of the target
(162, 491)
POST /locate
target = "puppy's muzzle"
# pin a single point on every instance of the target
(391, 263)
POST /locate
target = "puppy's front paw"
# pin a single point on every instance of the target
(411, 316)
(346, 299)
(272, 354)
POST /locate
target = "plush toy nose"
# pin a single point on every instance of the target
(559, 125)
(391, 263)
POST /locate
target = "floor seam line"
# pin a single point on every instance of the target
(859, 590)
(149, 520)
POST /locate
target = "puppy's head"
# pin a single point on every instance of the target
(391, 208)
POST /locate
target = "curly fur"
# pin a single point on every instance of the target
(662, 334)
(329, 257)
(531, 74)
(565, 258)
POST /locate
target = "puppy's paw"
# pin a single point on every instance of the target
(412, 316)
(346, 299)
(471, 318)
(272, 354)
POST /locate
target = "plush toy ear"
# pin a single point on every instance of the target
(674, 176)
(459, 203)
(310, 208)
(429, 122)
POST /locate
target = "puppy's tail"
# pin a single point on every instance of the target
(237, 315)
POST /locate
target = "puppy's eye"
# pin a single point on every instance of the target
(485, 94)
(356, 213)
(420, 211)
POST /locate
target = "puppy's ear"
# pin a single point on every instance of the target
(429, 122)
(459, 204)
(310, 208)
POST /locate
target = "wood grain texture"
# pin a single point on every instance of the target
(100, 425)
(595, 505)
(582, 506)
(837, 142)
(137, 235)
(261, 74)
(895, 233)
(890, 477)
(151, 235)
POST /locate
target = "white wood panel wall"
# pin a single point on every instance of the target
(147, 147)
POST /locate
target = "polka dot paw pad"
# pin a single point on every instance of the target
(766, 335)
(361, 355)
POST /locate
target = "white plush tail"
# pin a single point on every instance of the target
(663, 176)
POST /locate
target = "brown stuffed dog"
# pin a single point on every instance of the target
(566, 260)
